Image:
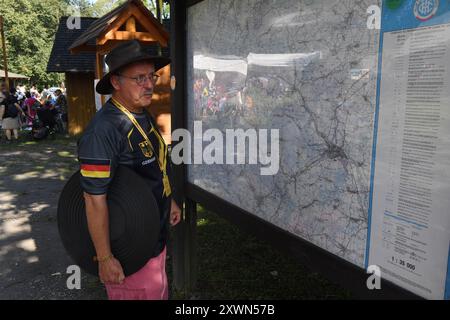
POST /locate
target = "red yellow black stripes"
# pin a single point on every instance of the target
(95, 168)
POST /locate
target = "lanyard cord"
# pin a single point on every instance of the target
(161, 162)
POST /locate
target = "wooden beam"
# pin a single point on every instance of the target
(161, 35)
(184, 250)
(126, 35)
(130, 13)
(158, 34)
(83, 48)
(99, 71)
(131, 24)
(178, 112)
(115, 25)
(190, 253)
(98, 66)
(5, 60)
(108, 46)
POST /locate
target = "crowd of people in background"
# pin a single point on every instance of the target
(27, 109)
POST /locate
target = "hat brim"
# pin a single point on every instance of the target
(105, 87)
(133, 222)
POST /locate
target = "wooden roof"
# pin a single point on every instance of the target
(60, 58)
(12, 75)
(131, 20)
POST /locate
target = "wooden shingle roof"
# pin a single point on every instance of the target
(61, 60)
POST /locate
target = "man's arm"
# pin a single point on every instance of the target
(98, 223)
(110, 270)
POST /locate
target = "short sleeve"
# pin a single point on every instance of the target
(98, 155)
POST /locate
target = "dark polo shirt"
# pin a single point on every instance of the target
(111, 140)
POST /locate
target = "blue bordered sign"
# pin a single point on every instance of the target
(425, 9)
(410, 15)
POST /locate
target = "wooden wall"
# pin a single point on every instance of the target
(160, 107)
(80, 99)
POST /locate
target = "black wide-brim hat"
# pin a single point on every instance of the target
(133, 222)
(123, 55)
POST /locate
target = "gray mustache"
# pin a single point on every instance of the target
(148, 92)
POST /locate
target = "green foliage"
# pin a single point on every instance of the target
(102, 7)
(235, 265)
(30, 28)
(152, 4)
(84, 7)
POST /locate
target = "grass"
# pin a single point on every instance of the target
(26, 142)
(234, 265)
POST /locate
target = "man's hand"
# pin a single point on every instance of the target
(175, 213)
(110, 271)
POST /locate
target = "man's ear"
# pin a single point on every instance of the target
(115, 81)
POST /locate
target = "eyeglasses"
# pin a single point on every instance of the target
(142, 79)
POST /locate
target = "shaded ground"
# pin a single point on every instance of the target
(234, 265)
(33, 263)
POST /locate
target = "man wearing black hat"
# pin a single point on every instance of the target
(123, 133)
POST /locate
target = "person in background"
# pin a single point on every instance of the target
(36, 95)
(63, 88)
(61, 106)
(44, 94)
(10, 116)
(4, 89)
(3, 94)
(2, 107)
(34, 91)
(21, 89)
(31, 105)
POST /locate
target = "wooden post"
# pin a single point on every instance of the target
(190, 252)
(5, 60)
(131, 25)
(184, 250)
(177, 250)
(184, 235)
(99, 71)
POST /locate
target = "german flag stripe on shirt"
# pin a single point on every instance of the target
(95, 168)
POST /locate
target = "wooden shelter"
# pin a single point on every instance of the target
(79, 73)
(13, 77)
(130, 21)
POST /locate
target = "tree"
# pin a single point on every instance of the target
(30, 26)
(152, 5)
(102, 7)
(83, 7)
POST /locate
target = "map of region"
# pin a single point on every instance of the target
(309, 69)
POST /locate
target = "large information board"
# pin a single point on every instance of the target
(362, 116)
(410, 204)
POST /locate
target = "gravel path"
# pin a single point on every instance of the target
(33, 262)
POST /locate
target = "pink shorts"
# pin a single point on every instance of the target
(149, 283)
